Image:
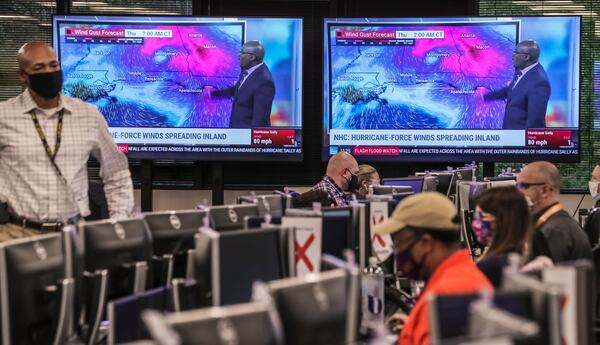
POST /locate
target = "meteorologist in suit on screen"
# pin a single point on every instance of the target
(253, 92)
(527, 94)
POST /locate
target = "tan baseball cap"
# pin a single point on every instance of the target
(430, 210)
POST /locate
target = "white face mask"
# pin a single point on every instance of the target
(594, 190)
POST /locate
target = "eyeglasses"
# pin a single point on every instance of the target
(399, 248)
(516, 53)
(526, 185)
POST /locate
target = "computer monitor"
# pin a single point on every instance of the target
(488, 321)
(124, 248)
(468, 191)
(546, 301)
(230, 217)
(499, 181)
(124, 314)
(249, 323)
(578, 282)
(272, 204)
(173, 231)
(462, 174)
(338, 231)
(444, 182)
(314, 309)
(466, 173)
(228, 263)
(173, 234)
(449, 314)
(416, 183)
(382, 190)
(430, 183)
(251, 222)
(36, 294)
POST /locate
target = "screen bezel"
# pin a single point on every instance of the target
(206, 156)
(430, 158)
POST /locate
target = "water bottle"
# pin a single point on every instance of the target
(372, 296)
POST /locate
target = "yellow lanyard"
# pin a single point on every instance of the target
(40, 131)
(549, 212)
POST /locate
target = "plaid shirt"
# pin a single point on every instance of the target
(29, 182)
(333, 190)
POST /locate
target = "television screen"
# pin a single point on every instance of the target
(452, 89)
(173, 87)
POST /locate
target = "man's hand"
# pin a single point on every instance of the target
(396, 321)
(480, 92)
(207, 91)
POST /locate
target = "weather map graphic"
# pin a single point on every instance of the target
(152, 75)
(419, 76)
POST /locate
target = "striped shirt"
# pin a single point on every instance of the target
(29, 182)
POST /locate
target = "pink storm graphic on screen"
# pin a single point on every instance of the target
(476, 57)
(204, 56)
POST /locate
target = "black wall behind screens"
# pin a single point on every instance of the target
(240, 175)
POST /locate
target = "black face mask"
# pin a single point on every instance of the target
(46, 84)
(353, 183)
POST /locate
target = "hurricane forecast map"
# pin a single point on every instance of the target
(152, 75)
(419, 76)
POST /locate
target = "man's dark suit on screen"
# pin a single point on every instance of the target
(252, 100)
(526, 103)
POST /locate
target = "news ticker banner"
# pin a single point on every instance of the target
(265, 137)
(566, 138)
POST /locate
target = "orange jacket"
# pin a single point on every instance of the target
(457, 274)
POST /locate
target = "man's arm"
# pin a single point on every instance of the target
(214, 92)
(537, 102)
(114, 171)
(263, 100)
(496, 95)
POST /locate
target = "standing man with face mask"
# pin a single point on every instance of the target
(424, 229)
(254, 91)
(557, 235)
(45, 143)
(527, 94)
(341, 176)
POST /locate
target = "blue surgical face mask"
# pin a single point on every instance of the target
(482, 229)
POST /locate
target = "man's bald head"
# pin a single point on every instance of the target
(255, 48)
(341, 161)
(30, 52)
(544, 172)
(252, 54)
(526, 54)
(341, 167)
(39, 70)
(530, 47)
